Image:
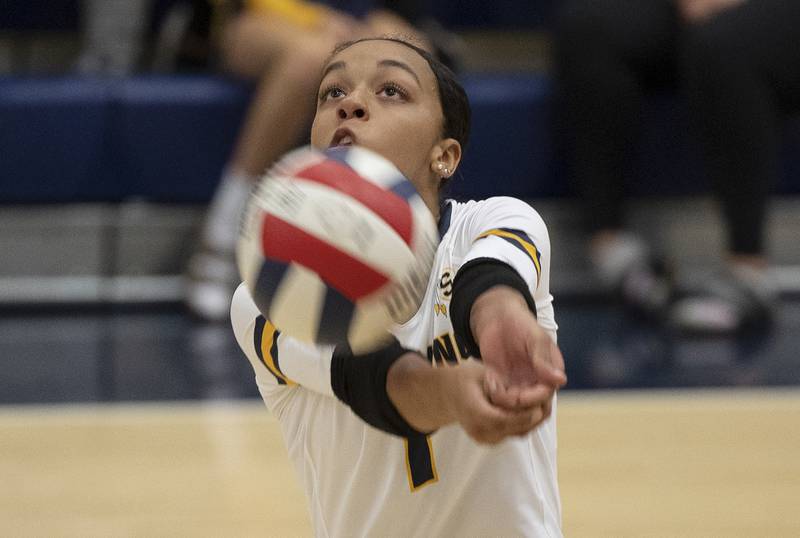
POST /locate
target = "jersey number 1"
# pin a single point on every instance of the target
(420, 463)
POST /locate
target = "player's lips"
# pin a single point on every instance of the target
(342, 137)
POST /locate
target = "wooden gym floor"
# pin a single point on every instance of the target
(699, 463)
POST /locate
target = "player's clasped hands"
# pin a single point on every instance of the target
(511, 393)
(487, 422)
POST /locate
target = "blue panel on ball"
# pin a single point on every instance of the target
(337, 313)
(404, 188)
(268, 282)
(338, 154)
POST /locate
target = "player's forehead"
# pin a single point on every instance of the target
(376, 54)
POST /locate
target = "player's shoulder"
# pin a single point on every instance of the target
(499, 209)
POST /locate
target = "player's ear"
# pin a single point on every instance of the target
(445, 157)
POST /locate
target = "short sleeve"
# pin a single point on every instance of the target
(511, 231)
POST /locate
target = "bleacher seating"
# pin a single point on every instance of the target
(165, 139)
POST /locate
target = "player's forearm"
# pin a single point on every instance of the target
(516, 350)
(420, 392)
(494, 306)
(483, 289)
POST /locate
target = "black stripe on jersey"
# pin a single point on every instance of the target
(273, 352)
(270, 360)
(420, 464)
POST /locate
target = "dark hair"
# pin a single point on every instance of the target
(452, 97)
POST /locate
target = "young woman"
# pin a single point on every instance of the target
(424, 468)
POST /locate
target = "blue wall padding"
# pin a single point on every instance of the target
(53, 139)
(74, 139)
(172, 138)
(167, 138)
(511, 150)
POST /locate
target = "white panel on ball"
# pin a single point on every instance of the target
(373, 168)
(368, 327)
(248, 248)
(297, 305)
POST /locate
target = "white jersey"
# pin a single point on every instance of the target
(360, 481)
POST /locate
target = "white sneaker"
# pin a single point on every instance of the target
(212, 280)
(627, 268)
(735, 301)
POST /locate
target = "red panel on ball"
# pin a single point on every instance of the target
(390, 207)
(288, 243)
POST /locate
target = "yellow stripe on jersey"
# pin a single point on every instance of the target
(433, 459)
(520, 240)
(266, 344)
(420, 462)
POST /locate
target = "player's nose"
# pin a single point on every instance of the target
(353, 106)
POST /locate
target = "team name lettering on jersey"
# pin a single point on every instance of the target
(444, 290)
(447, 348)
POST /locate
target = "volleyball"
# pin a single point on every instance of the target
(336, 246)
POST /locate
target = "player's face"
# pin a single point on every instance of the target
(383, 96)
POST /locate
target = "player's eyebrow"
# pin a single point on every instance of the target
(401, 65)
(333, 66)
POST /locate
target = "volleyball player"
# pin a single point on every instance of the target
(419, 438)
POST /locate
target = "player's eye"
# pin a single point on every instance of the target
(331, 92)
(394, 91)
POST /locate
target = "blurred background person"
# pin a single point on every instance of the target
(114, 32)
(282, 44)
(737, 65)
